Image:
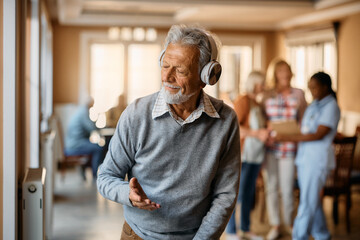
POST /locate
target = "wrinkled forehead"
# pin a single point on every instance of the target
(182, 52)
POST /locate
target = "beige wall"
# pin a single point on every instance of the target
(349, 68)
(1, 118)
(67, 62)
(274, 47)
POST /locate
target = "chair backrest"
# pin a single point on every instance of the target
(63, 114)
(344, 153)
(58, 141)
(61, 132)
(356, 163)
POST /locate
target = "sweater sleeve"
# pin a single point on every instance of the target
(119, 160)
(225, 188)
(241, 107)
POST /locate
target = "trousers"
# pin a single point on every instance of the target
(249, 174)
(128, 233)
(96, 152)
(310, 219)
(278, 175)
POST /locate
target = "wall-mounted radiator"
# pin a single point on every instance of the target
(33, 204)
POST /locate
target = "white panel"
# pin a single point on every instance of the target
(34, 84)
(9, 123)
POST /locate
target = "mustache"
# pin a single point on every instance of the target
(170, 86)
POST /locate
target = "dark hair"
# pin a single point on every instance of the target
(325, 80)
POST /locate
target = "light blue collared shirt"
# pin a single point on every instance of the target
(319, 153)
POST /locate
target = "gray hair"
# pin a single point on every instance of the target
(194, 36)
(254, 78)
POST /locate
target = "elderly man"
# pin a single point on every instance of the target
(179, 147)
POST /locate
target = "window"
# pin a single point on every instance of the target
(46, 81)
(107, 78)
(237, 64)
(116, 63)
(238, 56)
(144, 70)
(309, 53)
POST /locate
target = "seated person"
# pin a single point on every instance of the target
(113, 114)
(77, 136)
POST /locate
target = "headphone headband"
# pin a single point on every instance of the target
(213, 47)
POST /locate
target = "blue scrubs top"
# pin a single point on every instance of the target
(319, 153)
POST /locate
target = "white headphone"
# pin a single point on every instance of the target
(211, 72)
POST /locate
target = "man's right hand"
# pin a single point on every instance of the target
(138, 197)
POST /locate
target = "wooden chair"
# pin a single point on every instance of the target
(338, 181)
(83, 160)
(355, 172)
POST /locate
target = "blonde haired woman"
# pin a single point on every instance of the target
(281, 103)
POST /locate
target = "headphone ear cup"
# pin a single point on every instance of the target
(211, 73)
(161, 57)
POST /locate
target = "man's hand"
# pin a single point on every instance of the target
(138, 197)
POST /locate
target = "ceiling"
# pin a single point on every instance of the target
(220, 14)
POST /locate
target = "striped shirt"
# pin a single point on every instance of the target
(205, 105)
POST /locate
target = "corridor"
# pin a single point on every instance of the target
(81, 213)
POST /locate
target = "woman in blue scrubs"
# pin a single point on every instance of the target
(315, 157)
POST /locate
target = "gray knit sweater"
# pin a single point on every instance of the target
(192, 171)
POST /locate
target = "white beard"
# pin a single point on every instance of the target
(176, 98)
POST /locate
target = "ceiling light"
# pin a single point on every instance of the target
(126, 34)
(151, 34)
(139, 34)
(114, 33)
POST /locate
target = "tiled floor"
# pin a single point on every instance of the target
(80, 213)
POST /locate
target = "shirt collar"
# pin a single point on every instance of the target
(205, 105)
(324, 101)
